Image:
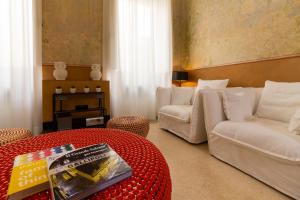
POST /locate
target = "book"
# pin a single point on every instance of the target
(30, 174)
(82, 172)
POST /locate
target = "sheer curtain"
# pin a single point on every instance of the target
(20, 64)
(137, 53)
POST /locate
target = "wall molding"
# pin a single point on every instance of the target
(245, 62)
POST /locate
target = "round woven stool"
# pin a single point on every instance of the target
(138, 125)
(8, 135)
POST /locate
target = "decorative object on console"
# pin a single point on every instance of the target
(180, 76)
(96, 72)
(73, 89)
(60, 72)
(86, 89)
(58, 90)
(94, 121)
(98, 89)
(81, 107)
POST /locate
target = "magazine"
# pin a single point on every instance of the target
(82, 172)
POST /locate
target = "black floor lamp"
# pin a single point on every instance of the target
(180, 76)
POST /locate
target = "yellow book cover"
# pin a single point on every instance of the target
(25, 177)
(30, 172)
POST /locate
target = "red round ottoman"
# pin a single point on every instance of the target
(137, 125)
(150, 179)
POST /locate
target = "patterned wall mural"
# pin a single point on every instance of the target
(72, 31)
(223, 32)
(180, 28)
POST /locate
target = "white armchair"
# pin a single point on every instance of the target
(186, 121)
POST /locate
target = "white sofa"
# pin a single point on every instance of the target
(262, 148)
(186, 121)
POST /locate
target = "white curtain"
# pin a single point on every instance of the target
(137, 53)
(20, 64)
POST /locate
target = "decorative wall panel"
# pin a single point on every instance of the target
(180, 30)
(234, 31)
(72, 31)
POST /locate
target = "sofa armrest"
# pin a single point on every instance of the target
(197, 116)
(213, 109)
(163, 97)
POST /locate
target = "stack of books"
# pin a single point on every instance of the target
(70, 173)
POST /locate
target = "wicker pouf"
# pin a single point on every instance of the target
(138, 125)
(8, 135)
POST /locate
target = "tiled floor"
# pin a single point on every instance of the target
(197, 175)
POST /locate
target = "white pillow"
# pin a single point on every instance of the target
(294, 126)
(279, 101)
(239, 103)
(182, 95)
(212, 84)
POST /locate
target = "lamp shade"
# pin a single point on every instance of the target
(180, 76)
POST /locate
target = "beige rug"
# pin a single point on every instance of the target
(197, 175)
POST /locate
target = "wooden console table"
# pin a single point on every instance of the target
(89, 112)
(74, 99)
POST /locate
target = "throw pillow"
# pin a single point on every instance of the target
(182, 95)
(212, 84)
(279, 101)
(239, 103)
(294, 126)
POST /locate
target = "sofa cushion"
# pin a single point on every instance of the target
(268, 136)
(179, 112)
(279, 101)
(239, 103)
(294, 125)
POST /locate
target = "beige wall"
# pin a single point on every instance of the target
(223, 32)
(72, 31)
(180, 36)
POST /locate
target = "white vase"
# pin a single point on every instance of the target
(86, 90)
(98, 89)
(72, 90)
(58, 90)
(96, 72)
(60, 72)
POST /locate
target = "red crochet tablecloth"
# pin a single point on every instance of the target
(150, 179)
